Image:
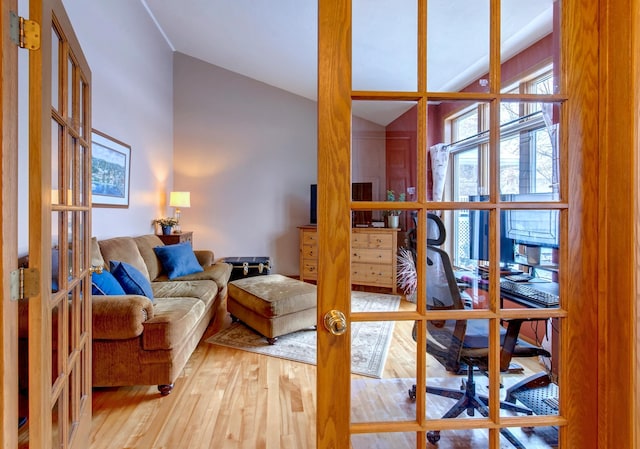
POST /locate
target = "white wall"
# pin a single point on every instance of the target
(247, 152)
(132, 100)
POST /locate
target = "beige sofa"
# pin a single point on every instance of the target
(140, 342)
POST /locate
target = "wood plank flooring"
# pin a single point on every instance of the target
(231, 399)
(225, 398)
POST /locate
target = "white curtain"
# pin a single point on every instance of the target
(439, 163)
(552, 130)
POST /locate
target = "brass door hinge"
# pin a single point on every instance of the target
(25, 282)
(25, 33)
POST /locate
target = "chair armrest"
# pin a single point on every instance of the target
(120, 317)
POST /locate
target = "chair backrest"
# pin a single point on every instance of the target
(445, 336)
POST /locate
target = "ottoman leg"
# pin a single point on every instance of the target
(272, 340)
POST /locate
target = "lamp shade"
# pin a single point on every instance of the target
(180, 199)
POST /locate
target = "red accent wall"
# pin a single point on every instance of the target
(511, 70)
(401, 157)
(406, 125)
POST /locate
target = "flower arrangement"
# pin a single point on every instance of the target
(407, 278)
(391, 196)
(164, 222)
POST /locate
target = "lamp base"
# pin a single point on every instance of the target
(176, 228)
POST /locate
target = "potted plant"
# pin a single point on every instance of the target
(393, 216)
(166, 224)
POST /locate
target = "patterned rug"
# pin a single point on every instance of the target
(370, 340)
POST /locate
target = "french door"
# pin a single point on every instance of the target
(9, 226)
(569, 108)
(58, 275)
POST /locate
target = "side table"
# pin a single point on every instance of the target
(172, 239)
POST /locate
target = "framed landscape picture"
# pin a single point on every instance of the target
(110, 169)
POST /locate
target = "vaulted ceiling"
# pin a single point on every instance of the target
(275, 41)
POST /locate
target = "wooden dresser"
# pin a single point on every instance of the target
(373, 256)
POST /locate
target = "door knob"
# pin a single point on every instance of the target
(335, 322)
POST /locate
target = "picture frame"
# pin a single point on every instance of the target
(110, 171)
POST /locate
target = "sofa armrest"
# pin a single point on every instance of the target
(120, 317)
(205, 257)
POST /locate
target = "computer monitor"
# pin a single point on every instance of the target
(539, 227)
(479, 235)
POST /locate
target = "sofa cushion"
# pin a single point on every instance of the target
(131, 279)
(145, 244)
(206, 291)
(123, 249)
(218, 272)
(178, 260)
(174, 320)
(105, 284)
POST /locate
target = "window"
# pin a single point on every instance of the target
(528, 160)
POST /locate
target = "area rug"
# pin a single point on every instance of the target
(369, 340)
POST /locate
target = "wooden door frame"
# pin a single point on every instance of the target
(41, 389)
(334, 218)
(618, 294)
(601, 334)
(40, 216)
(9, 229)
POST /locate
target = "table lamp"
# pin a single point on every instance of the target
(178, 200)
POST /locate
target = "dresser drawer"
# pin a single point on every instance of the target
(310, 269)
(371, 274)
(371, 240)
(309, 252)
(309, 238)
(367, 255)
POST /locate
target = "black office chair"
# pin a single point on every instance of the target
(462, 345)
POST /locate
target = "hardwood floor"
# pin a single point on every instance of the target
(231, 399)
(225, 398)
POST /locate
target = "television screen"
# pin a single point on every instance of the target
(313, 204)
(360, 191)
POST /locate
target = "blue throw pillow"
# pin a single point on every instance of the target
(132, 281)
(178, 260)
(105, 284)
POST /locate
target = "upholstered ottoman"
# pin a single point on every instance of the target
(273, 305)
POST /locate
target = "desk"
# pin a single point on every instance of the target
(477, 283)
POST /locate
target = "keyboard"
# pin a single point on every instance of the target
(529, 293)
(518, 277)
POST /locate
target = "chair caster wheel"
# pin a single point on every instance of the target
(433, 437)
